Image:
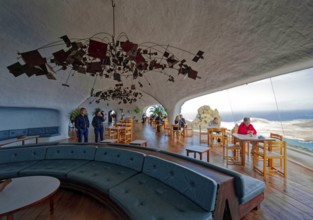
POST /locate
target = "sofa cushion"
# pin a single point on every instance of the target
(146, 198)
(239, 183)
(252, 188)
(10, 170)
(56, 168)
(200, 189)
(100, 175)
(71, 152)
(36, 131)
(242, 182)
(18, 154)
(246, 187)
(17, 132)
(4, 135)
(51, 130)
(126, 158)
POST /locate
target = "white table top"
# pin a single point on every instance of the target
(248, 137)
(138, 142)
(198, 148)
(24, 191)
(109, 141)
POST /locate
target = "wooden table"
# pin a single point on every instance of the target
(23, 139)
(139, 143)
(216, 133)
(243, 139)
(25, 192)
(200, 150)
(118, 131)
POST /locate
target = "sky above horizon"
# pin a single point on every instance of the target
(293, 91)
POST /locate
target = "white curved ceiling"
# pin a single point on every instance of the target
(243, 41)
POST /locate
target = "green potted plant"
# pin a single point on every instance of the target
(158, 108)
(137, 110)
(73, 114)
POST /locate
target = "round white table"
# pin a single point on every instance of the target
(24, 192)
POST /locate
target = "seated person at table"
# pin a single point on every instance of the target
(182, 123)
(182, 119)
(235, 129)
(214, 123)
(159, 121)
(151, 119)
(177, 122)
(246, 128)
(143, 117)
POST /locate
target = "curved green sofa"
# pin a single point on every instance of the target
(134, 182)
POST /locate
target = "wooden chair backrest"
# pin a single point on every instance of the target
(175, 126)
(277, 146)
(276, 136)
(220, 130)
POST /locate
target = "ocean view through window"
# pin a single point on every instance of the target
(282, 104)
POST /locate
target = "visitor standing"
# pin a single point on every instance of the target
(97, 123)
(82, 125)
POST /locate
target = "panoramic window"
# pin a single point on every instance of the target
(281, 104)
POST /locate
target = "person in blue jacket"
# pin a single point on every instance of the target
(82, 125)
(97, 123)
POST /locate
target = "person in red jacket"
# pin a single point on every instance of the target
(246, 128)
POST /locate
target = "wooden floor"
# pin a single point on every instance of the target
(285, 198)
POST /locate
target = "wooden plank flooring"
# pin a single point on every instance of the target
(285, 198)
(69, 205)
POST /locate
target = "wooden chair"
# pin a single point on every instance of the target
(165, 123)
(124, 124)
(189, 131)
(231, 150)
(216, 134)
(271, 150)
(153, 123)
(109, 134)
(203, 134)
(158, 126)
(175, 130)
(126, 135)
(167, 131)
(277, 136)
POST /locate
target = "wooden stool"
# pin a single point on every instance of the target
(139, 143)
(200, 150)
(109, 141)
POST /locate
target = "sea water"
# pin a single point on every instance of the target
(229, 119)
(268, 115)
(303, 145)
(281, 116)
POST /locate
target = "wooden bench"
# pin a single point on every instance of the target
(21, 139)
(200, 150)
